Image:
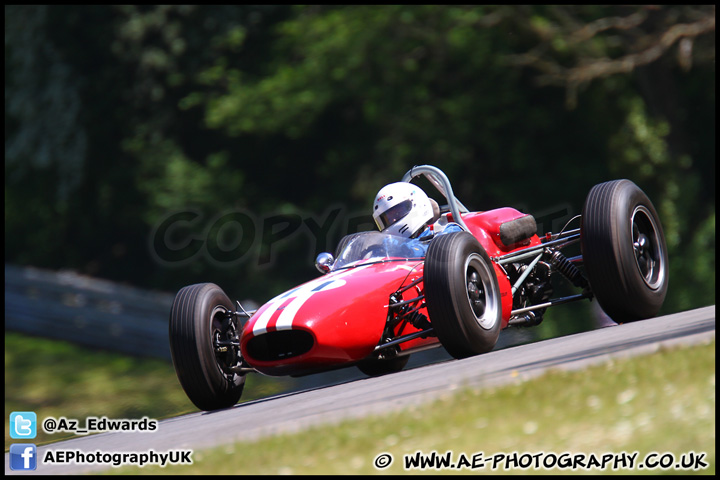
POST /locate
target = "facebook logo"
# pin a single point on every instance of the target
(23, 456)
(23, 425)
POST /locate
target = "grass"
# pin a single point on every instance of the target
(59, 379)
(662, 403)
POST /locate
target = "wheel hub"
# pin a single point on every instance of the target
(646, 247)
(225, 342)
(476, 294)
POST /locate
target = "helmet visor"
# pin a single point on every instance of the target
(393, 214)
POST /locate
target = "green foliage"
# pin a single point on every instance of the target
(118, 115)
(641, 152)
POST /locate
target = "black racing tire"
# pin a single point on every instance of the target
(375, 367)
(624, 251)
(462, 295)
(197, 320)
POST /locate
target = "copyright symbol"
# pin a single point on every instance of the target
(383, 460)
(49, 425)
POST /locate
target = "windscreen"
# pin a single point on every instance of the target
(370, 247)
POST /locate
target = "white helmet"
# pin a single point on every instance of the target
(402, 209)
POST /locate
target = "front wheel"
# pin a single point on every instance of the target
(205, 346)
(462, 295)
(624, 251)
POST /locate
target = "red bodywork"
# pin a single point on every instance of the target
(339, 318)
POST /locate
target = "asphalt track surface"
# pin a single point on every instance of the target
(296, 411)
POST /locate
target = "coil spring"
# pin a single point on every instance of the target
(570, 271)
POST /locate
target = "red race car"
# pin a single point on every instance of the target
(430, 276)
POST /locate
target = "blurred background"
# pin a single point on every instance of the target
(152, 147)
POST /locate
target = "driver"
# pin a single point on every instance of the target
(405, 210)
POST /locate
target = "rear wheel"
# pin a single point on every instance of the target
(624, 251)
(205, 347)
(462, 295)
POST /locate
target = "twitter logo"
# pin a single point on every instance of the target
(23, 425)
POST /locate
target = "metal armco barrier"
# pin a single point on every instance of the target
(87, 311)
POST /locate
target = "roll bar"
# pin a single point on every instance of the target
(440, 181)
